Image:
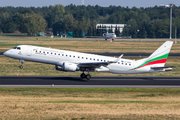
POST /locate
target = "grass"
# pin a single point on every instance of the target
(89, 103)
(85, 103)
(90, 46)
(103, 102)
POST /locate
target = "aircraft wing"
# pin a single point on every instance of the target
(98, 64)
(93, 64)
(166, 68)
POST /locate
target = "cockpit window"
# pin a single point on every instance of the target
(18, 48)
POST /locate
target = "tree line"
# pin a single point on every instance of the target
(151, 22)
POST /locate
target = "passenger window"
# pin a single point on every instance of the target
(74, 56)
(90, 58)
(94, 59)
(86, 58)
(54, 53)
(66, 55)
(58, 54)
(62, 54)
(43, 52)
(78, 57)
(97, 59)
(51, 53)
(82, 57)
(69, 55)
(47, 52)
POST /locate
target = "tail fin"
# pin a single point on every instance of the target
(162, 52)
(159, 57)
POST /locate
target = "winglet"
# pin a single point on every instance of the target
(115, 61)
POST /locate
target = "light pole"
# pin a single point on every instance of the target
(82, 2)
(170, 6)
(175, 35)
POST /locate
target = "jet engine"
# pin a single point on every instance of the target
(70, 67)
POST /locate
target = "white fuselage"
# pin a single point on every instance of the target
(58, 57)
(109, 35)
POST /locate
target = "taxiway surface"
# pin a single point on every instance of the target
(95, 82)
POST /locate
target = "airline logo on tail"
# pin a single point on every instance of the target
(158, 57)
(157, 60)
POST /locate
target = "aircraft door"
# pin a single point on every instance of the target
(29, 50)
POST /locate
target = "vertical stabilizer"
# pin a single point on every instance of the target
(159, 57)
(163, 50)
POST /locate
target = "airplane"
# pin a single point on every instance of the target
(105, 35)
(109, 36)
(70, 61)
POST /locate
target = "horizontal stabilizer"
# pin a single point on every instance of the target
(167, 68)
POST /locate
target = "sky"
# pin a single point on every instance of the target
(103, 3)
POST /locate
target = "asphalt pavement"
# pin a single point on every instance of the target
(99, 82)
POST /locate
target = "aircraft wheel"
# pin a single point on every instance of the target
(21, 67)
(88, 76)
(22, 61)
(83, 76)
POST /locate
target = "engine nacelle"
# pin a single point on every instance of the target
(70, 67)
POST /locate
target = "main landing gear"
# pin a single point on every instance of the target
(21, 66)
(83, 75)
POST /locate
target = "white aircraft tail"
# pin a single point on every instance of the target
(158, 58)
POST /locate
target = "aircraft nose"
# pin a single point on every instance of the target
(6, 53)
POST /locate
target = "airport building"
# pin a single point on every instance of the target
(111, 26)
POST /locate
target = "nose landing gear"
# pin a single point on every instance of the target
(21, 66)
